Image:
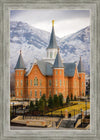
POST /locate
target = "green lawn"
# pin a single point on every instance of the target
(70, 109)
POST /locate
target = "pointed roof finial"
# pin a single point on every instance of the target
(52, 42)
(20, 62)
(58, 62)
(80, 66)
(52, 23)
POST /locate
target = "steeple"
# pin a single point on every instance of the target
(20, 63)
(80, 66)
(52, 43)
(58, 63)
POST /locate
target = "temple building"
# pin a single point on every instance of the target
(49, 76)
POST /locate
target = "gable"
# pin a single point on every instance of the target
(69, 69)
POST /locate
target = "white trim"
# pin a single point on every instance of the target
(20, 69)
(58, 68)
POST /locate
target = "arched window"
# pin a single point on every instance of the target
(17, 83)
(21, 82)
(35, 81)
(56, 82)
(31, 93)
(50, 54)
(17, 93)
(55, 54)
(56, 92)
(40, 82)
(56, 72)
(35, 93)
(21, 73)
(21, 92)
(40, 93)
(60, 82)
(31, 82)
(49, 92)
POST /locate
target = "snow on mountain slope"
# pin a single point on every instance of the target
(76, 45)
(33, 43)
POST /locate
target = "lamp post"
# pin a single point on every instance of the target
(86, 106)
(13, 108)
(74, 113)
(81, 116)
(23, 113)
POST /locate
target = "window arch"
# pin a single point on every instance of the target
(35, 81)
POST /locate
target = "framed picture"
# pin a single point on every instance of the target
(49, 70)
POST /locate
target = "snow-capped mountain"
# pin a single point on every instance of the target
(76, 45)
(33, 43)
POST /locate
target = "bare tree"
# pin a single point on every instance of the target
(12, 84)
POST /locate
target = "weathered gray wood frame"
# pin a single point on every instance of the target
(5, 132)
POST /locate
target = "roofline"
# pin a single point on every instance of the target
(59, 68)
(20, 69)
(51, 48)
(30, 69)
(81, 72)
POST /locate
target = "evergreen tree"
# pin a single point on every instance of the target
(71, 97)
(31, 107)
(44, 99)
(36, 104)
(67, 99)
(55, 101)
(50, 102)
(41, 105)
(60, 100)
(75, 98)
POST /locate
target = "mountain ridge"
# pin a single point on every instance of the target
(33, 43)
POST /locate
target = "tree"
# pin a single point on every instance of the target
(12, 84)
(71, 97)
(31, 107)
(36, 104)
(55, 100)
(50, 102)
(67, 99)
(41, 105)
(60, 100)
(44, 99)
(75, 98)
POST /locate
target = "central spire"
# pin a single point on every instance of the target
(52, 43)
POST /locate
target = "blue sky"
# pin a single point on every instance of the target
(66, 21)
